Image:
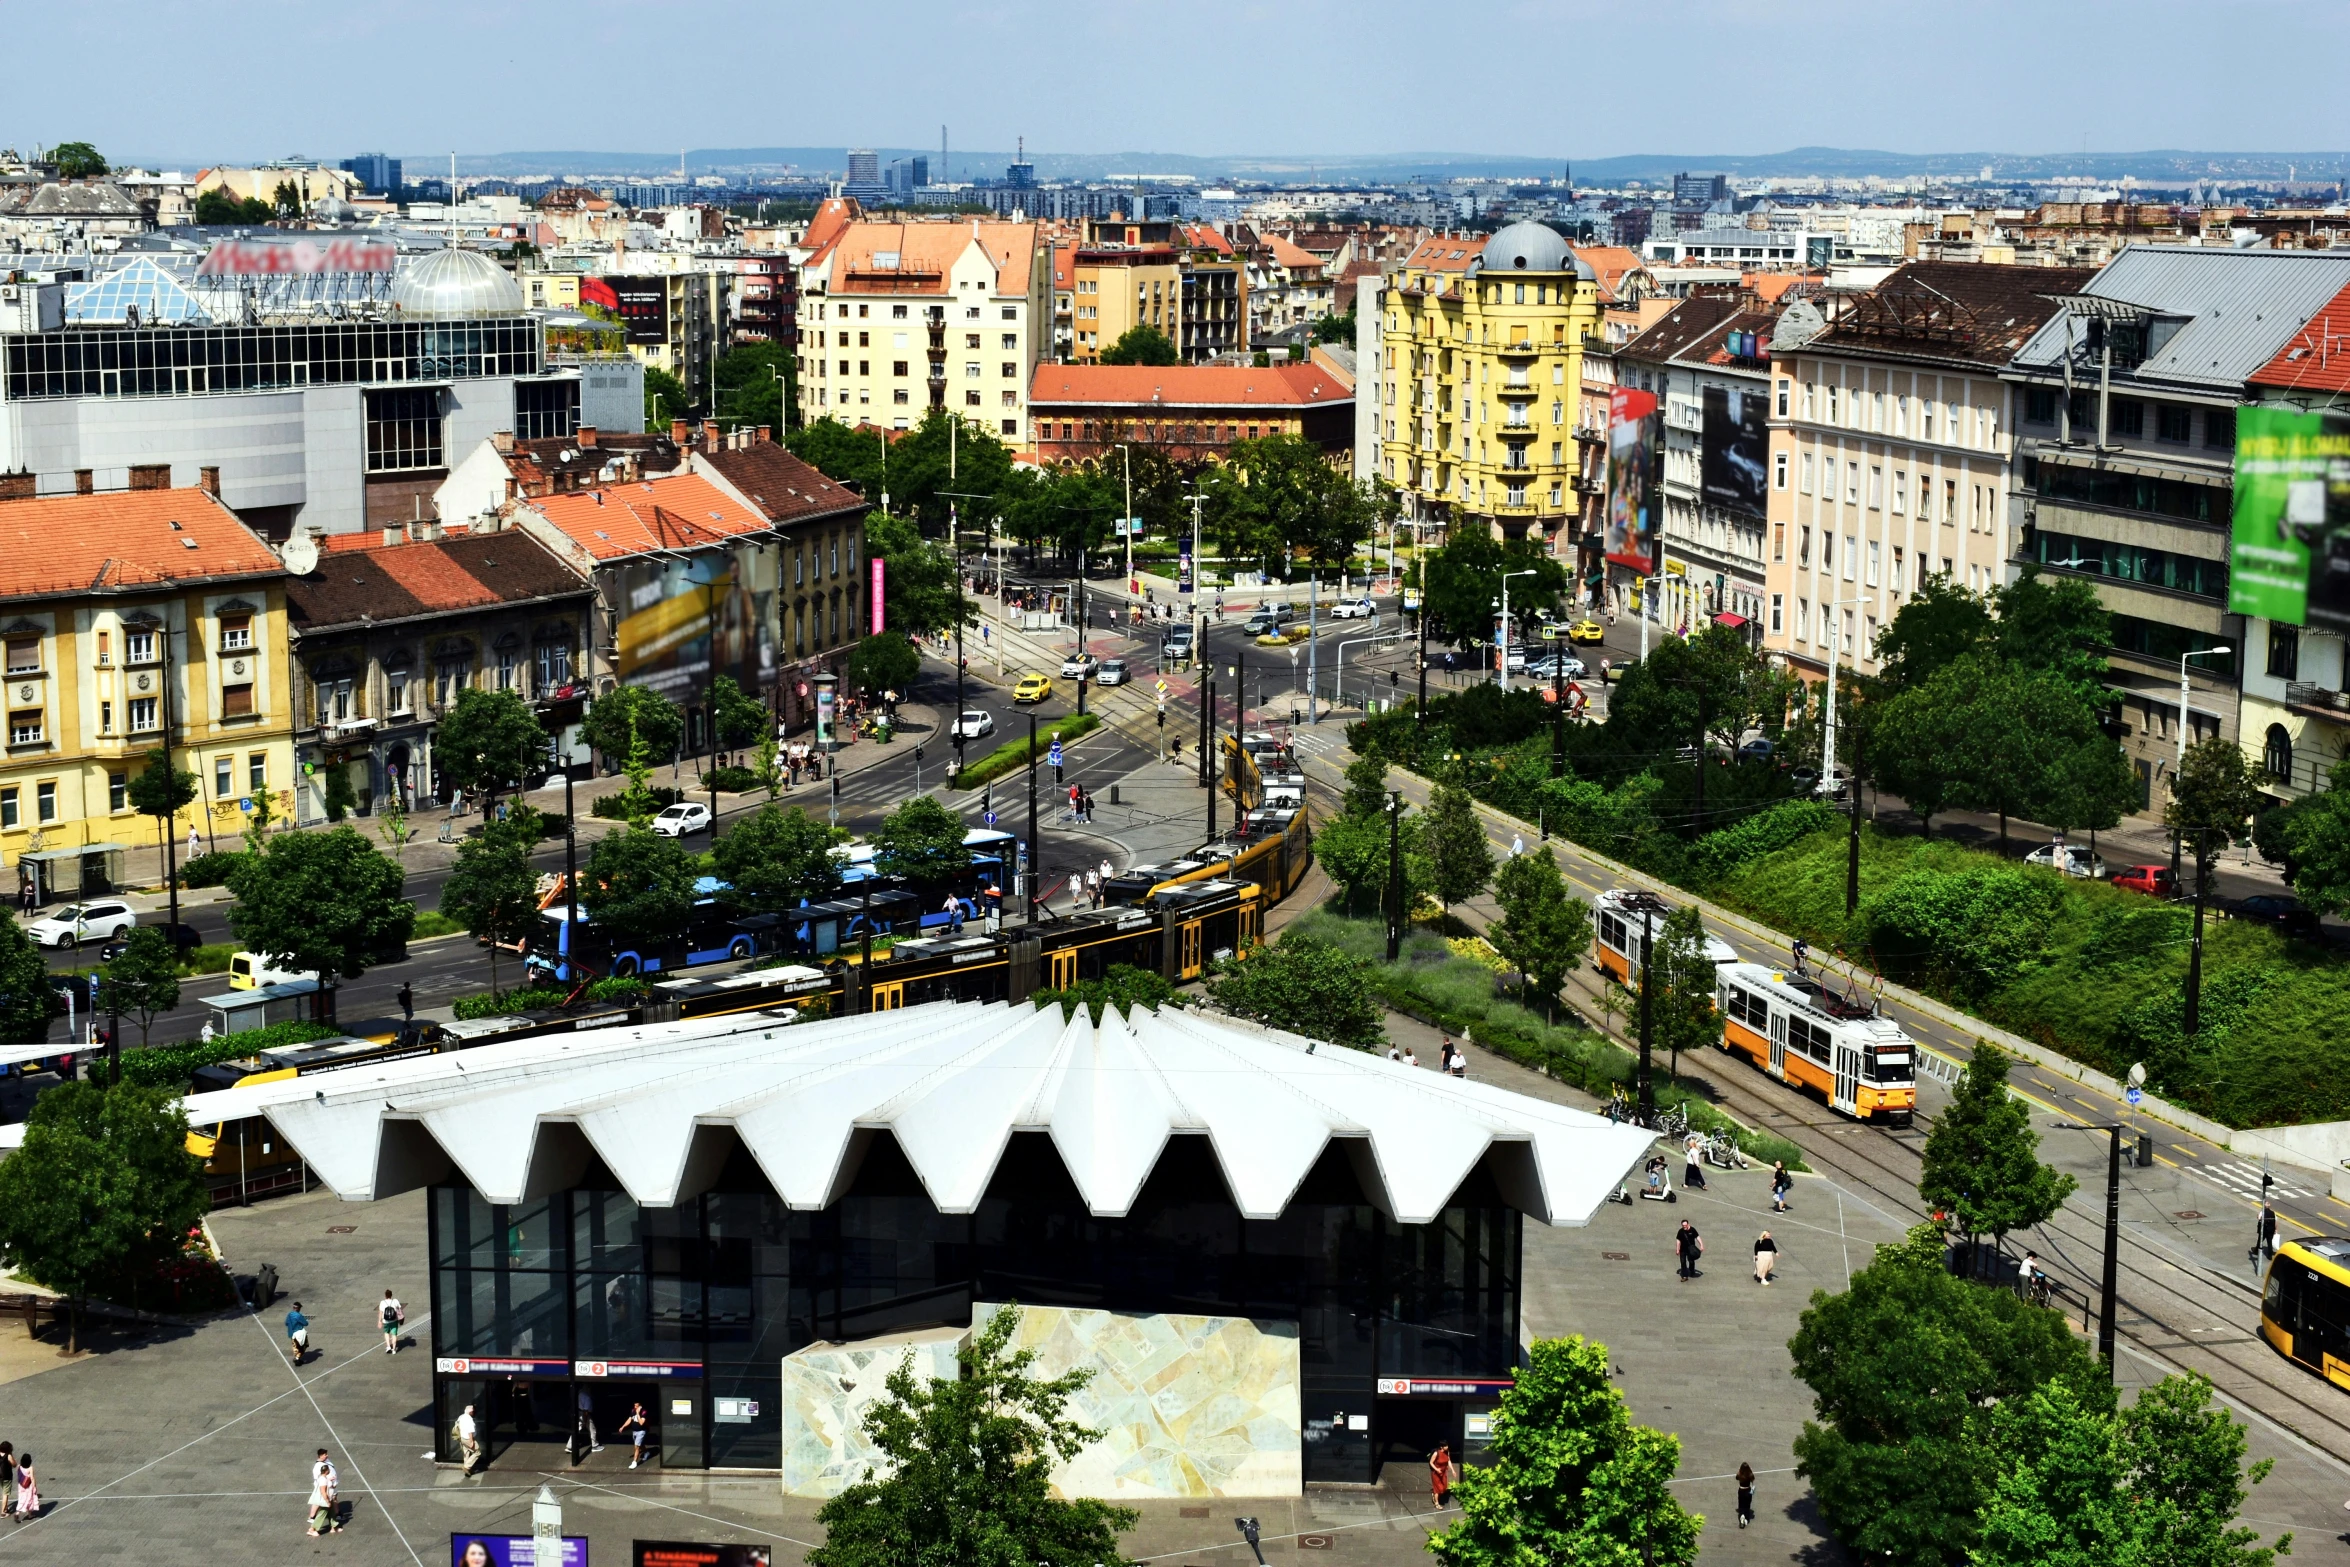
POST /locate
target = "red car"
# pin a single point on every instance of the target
(2154, 880)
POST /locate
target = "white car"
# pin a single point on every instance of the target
(680, 819)
(1354, 609)
(1079, 666)
(80, 922)
(971, 726)
(2078, 861)
(1112, 673)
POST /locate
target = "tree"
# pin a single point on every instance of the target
(1306, 986)
(1543, 930)
(1981, 1168)
(1458, 856)
(1336, 328)
(921, 593)
(1277, 498)
(143, 979)
(655, 719)
(24, 986)
(921, 841)
(2213, 797)
(757, 385)
(328, 901)
(1124, 987)
(1904, 1368)
(1937, 625)
(103, 1183)
(851, 456)
(638, 885)
(491, 740)
(666, 399)
(2056, 626)
(2316, 844)
(1366, 787)
(77, 160)
(2090, 785)
(492, 890)
(285, 202)
(776, 859)
(159, 791)
(968, 1469)
(223, 207)
(1142, 345)
(1352, 851)
(1567, 1476)
(1682, 1013)
(741, 717)
(2082, 1486)
(885, 661)
(1464, 583)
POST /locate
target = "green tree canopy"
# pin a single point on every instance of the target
(757, 385)
(1460, 861)
(225, 207)
(1366, 786)
(920, 591)
(1567, 1476)
(1142, 345)
(2213, 797)
(1068, 510)
(77, 160)
(490, 740)
(1714, 677)
(1278, 498)
(492, 889)
(638, 885)
(2316, 844)
(943, 453)
(666, 399)
(967, 1470)
(1905, 1368)
(775, 859)
(1464, 584)
(142, 981)
(1352, 851)
(328, 901)
(2056, 626)
(1336, 328)
(742, 717)
(658, 723)
(884, 662)
(1123, 988)
(1682, 1013)
(921, 841)
(102, 1186)
(160, 791)
(1982, 1167)
(24, 986)
(1935, 626)
(1544, 930)
(1303, 985)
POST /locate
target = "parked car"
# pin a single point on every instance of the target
(183, 938)
(972, 725)
(685, 817)
(2153, 880)
(1550, 666)
(2078, 861)
(1587, 631)
(1032, 688)
(1111, 673)
(1079, 666)
(1758, 749)
(2286, 914)
(76, 923)
(1354, 609)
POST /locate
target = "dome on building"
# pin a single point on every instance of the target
(1531, 247)
(455, 282)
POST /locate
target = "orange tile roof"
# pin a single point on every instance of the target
(1447, 252)
(1769, 286)
(1296, 257)
(682, 511)
(932, 248)
(1200, 236)
(1611, 262)
(2318, 357)
(833, 217)
(125, 541)
(1188, 386)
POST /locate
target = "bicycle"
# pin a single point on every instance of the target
(1673, 1122)
(1722, 1151)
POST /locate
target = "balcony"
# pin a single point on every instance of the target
(1518, 384)
(2318, 701)
(1527, 350)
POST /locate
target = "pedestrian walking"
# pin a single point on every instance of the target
(7, 1477)
(297, 1333)
(1693, 1163)
(207, 1032)
(468, 1435)
(323, 1484)
(28, 1489)
(1766, 1256)
(1440, 1474)
(583, 1427)
(407, 1000)
(1745, 1495)
(1781, 1184)
(1802, 950)
(26, 899)
(954, 914)
(1107, 873)
(1517, 844)
(1410, 1057)
(637, 1427)
(393, 1316)
(1688, 1245)
(2266, 1239)
(195, 841)
(1394, 1051)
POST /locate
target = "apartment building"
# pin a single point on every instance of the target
(1193, 413)
(1116, 289)
(130, 617)
(2126, 416)
(1481, 379)
(899, 318)
(1890, 448)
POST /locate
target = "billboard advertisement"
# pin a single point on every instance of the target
(671, 1553)
(304, 257)
(1634, 440)
(512, 1550)
(641, 303)
(2290, 555)
(1734, 449)
(679, 615)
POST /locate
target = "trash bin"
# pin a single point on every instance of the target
(2145, 1149)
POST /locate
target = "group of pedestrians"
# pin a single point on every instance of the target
(391, 1319)
(20, 1492)
(1689, 1246)
(1451, 1059)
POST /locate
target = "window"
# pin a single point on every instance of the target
(971, 399)
(1900, 491)
(1876, 486)
(1778, 613)
(1832, 401)
(450, 673)
(2276, 753)
(1778, 471)
(403, 428)
(236, 633)
(1784, 388)
(971, 371)
(105, 648)
(2129, 416)
(118, 791)
(1803, 547)
(864, 340)
(2219, 427)
(2174, 422)
(1011, 341)
(237, 701)
(509, 659)
(1852, 484)
(45, 802)
(1950, 502)
(554, 661)
(145, 717)
(897, 367)
(396, 690)
(24, 655)
(2040, 405)
(1851, 556)
(2284, 651)
(8, 809)
(1779, 541)
(1806, 483)
(1011, 312)
(1875, 549)
(138, 645)
(1848, 631)
(106, 718)
(24, 726)
(1011, 369)
(1900, 569)
(1011, 427)
(1925, 421)
(257, 771)
(224, 776)
(864, 366)
(970, 339)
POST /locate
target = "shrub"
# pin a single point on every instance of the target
(208, 870)
(730, 780)
(526, 998)
(1014, 754)
(174, 1066)
(614, 807)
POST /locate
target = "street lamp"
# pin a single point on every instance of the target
(1505, 621)
(2113, 1220)
(1827, 783)
(2208, 652)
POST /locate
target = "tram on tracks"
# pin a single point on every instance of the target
(1617, 919)
(2305, 1306)
(1838, 1045)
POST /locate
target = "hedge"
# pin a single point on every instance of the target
(1014, 754)
(175, 1066)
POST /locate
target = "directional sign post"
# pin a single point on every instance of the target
(2134, 1093)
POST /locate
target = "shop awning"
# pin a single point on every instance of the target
(1726, 618)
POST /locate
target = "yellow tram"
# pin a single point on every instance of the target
(2305, 1308)
(1838, 1046)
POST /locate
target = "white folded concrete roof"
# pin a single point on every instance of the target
(663, 1104)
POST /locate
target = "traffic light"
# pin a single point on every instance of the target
(917, 756)
(1394, 678)
(1162, 715)
(1056, 773)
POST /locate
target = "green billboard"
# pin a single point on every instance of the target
(2290, 560)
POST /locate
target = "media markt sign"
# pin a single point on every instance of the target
(2290, 558)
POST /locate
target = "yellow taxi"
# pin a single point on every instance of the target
(1587, 631)
(1032, 688)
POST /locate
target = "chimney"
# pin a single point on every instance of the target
(766, 434)
(712, 440)
(394, 533)
(587, 437)
(208, 480)
(18, 486)
(85, 481)
(150, 476)
(679, 436)
(502, 442)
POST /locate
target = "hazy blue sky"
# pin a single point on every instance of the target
(1569, 78)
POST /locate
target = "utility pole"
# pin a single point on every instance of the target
(865, 946)
(1035, 844)
(1860, 743)
(570, 864)
(1395, 908)
(1313, 645)
(171, 824)
(1698, 812)
(1558, 716)
(1126, 523)
(2194, 1017)
(1647, 1084)
(1207, 751)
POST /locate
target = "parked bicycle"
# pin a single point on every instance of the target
(1722, 1151)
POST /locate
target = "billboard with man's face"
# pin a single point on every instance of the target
(1734, 449)
(2290, 560)
(677, 614)
(1633, 442)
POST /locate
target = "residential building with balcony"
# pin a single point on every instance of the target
(899, 318)
(1891, 440)
(128, 617)
(1115, 290)
(2126, 422)
(388, 631)
(1481, 380)
(1193, 413)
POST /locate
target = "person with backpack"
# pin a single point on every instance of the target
(1781, 1184)
(297, 1333)
(1689, 1246)
(392, 1316)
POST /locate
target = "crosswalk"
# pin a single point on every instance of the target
(2244, 1179)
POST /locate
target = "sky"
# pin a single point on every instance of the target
(182, 84)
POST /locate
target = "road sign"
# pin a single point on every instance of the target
(990, 816)
(1161, 685)
(2134, 1093)
(1054, 755)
